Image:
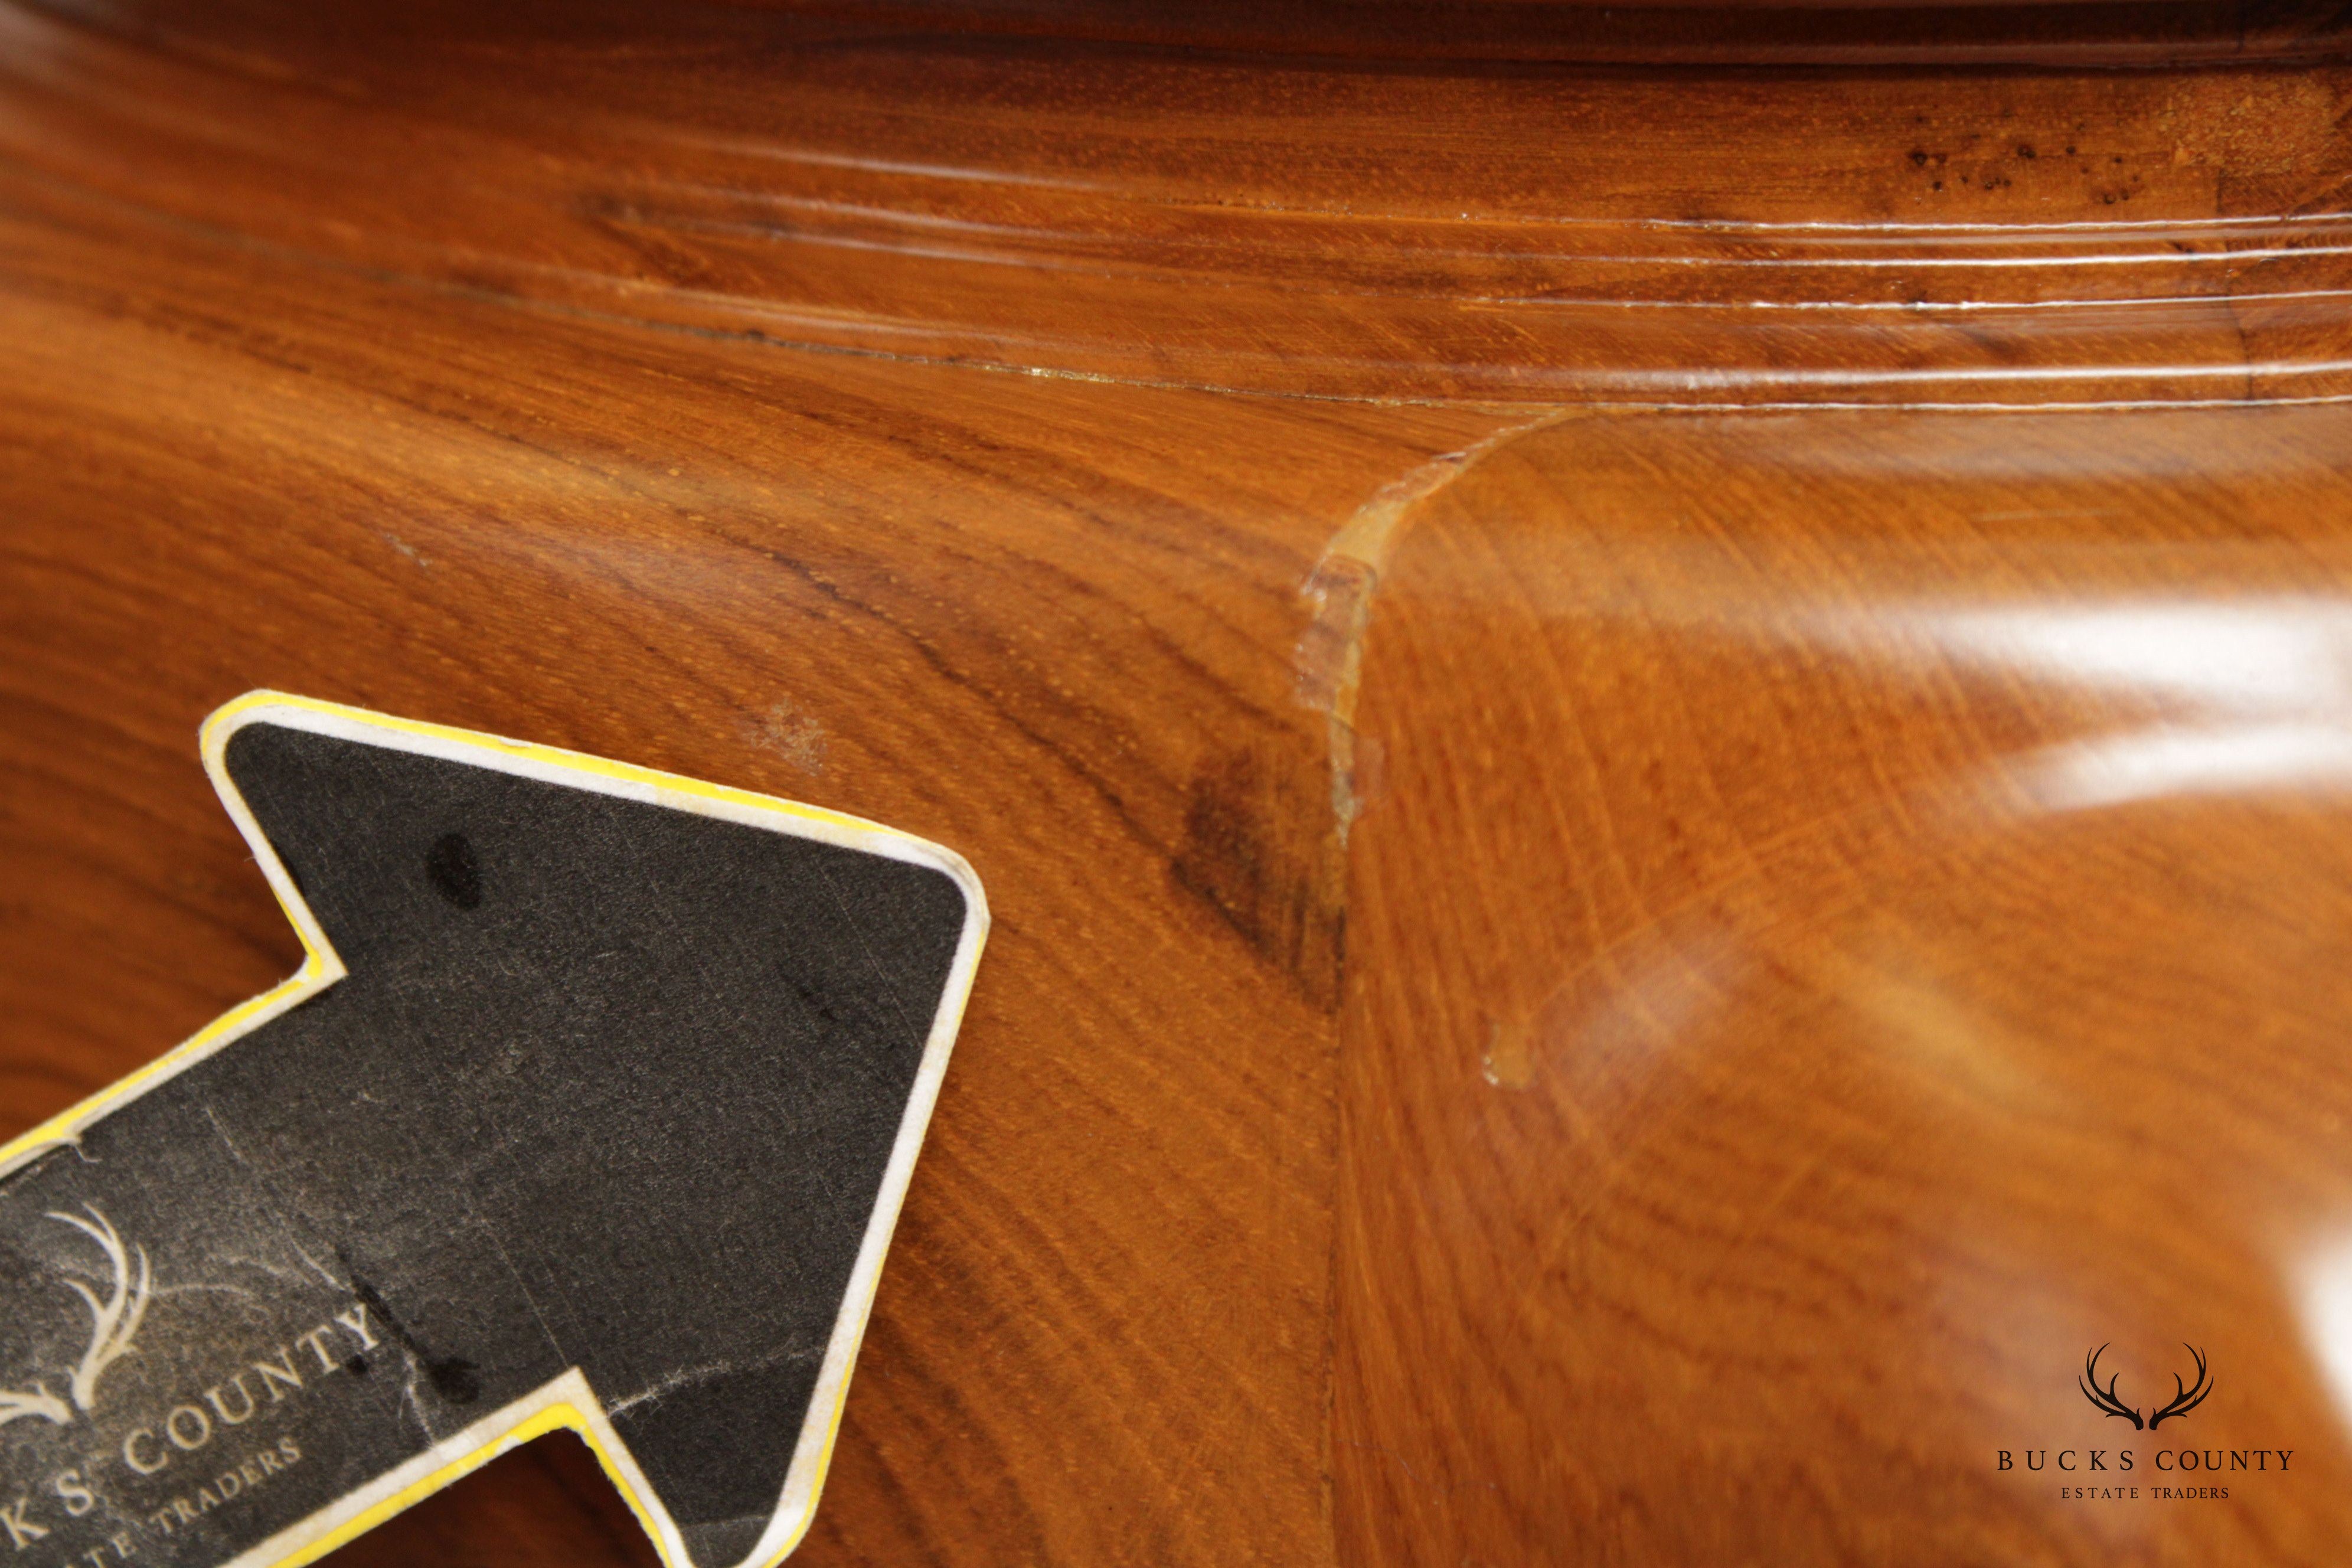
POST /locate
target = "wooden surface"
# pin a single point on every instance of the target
(1886, 942)
(1215, 217)
(1588, 966)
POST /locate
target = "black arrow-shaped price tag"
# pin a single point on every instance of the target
(593, 1105)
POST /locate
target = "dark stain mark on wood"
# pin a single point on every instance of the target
(1257, 849)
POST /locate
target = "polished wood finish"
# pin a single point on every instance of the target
(1658, 32)
(1587, 967)
(1045, 622)
(1509, 233)
(1884, 943)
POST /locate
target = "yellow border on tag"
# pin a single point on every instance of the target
(556, 1418)
(321, 967)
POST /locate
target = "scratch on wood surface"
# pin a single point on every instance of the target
(796, 737)
(1329, 663)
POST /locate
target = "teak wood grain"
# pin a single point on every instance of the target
(1904, 953)
(1590, 965)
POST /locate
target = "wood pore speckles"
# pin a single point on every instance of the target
(1508, 230)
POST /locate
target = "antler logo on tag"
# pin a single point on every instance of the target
(114, 1325)
(593, 1105)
